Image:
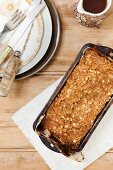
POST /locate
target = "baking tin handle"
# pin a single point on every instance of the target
(105, 50)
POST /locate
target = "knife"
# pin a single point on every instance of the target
(20, 31)
(17, 49)
(33, 5)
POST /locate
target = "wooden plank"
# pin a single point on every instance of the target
(103, 163)
(23, 91)
(8, 133)
(21, 160)
(18, 149)
(31, 161)
(50, 73)
(11, 137)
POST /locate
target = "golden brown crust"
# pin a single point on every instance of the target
(88, 88)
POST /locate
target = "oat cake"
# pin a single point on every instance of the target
(86, 92)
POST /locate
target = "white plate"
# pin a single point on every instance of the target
(45, 41)
(53, 44)
(34, 51)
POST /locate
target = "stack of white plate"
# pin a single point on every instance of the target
(42, 40)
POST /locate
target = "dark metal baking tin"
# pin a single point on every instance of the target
(103, 50)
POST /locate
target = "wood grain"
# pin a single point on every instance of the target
(24, 160)
(15, 150)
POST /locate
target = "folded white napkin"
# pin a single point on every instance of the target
(102, 138)
(3, 20)
(6, 14)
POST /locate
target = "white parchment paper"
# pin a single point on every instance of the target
(102, 138)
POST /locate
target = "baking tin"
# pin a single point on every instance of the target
(50, 143)
(53, 44)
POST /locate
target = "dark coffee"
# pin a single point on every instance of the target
(94, 6)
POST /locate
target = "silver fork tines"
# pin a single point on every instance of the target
(15, 20)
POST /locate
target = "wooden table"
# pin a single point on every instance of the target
(15, 150)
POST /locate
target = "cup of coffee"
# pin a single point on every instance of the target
(91, 12)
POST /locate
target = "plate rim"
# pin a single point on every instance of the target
(25, 68)
(34, 70)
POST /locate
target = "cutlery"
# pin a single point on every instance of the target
(17, 50)
(21, 30)
(15, 20)
(33, 5)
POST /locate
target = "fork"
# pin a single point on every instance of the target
(15, 20)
